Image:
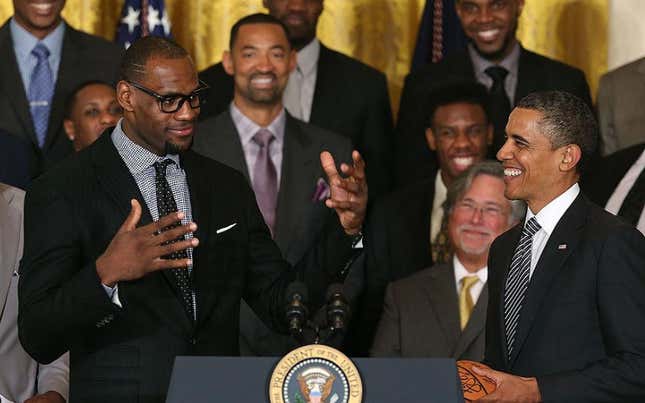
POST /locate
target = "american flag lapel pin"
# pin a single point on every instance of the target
(562, 246)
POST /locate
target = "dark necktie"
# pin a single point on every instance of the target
(265, 182)
(517, 282)
(41, 91)
(165, 205)
(632, 206)
(499, 105)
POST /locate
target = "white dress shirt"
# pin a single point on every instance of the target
(461, 272)
(618, 197)
(548, 218)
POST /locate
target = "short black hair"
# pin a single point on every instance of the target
(257, 18)
(469, 92)
(566, 119)
(135, 58)
(70, 101)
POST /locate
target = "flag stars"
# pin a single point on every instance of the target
(131, 19)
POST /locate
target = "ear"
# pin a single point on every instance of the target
(124, 96)
(70, 130)
(571, 155)
(430, 139)
(227, 62)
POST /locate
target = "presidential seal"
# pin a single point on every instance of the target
(315, 374)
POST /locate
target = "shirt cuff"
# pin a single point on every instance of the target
(113, 294)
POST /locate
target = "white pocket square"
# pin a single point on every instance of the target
(224, 229)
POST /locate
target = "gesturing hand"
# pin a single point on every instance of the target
(348, 196)
(134, 252)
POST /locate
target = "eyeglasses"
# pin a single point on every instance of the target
(173, 103)
(469, 207)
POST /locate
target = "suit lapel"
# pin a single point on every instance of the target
(228, 147)
(117, 182)
(528, 76)
(324, 106)
(504, 263)
(441, 292)
(12, 85)
(10, 245)
(296, 185)
(567, 233)
(476, 324)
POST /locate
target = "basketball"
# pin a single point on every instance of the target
(473, 385)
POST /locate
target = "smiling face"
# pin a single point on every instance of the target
(477, 218)
(534, 171)
(460, 135)
(144, 122)
(260, 61)
(94, 109)
(38, 17)
(300, 17)
(490, 24)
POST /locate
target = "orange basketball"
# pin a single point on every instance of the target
(473, 385)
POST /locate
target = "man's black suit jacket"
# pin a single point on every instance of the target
(414, 160)
(83, 58)
(350, 98)
(397, 245)
(71, 215)
(605, 175)
(582, 322)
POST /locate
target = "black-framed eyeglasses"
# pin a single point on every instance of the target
(173, 103)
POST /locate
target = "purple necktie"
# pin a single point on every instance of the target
(265, 182)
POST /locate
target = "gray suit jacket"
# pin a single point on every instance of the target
(301, 222)
(20, 376)
(421, 319)
(621, 96)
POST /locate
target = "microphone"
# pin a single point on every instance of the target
(338, 311)
(296, 311)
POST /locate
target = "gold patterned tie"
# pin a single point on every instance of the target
(440, 246)
(465, 300)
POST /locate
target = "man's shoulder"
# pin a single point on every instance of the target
(546, 65)
(420, 279)
(93, 44)
(349, 65)
(214, 73)
(625, 74)
(319, 136)
(411, 194)
(454, 66)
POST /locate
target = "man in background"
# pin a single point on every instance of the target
(495, 59)
(441, 311)
(278, 155)
(21, 378)
(44, 59)
(327, 89)
(90, 110)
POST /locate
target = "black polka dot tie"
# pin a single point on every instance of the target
(165, 205)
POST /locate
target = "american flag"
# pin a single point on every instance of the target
(142, 18)
(440, 33)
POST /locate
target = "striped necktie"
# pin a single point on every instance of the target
(517, 282)
(41, 92)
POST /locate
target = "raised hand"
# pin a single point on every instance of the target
(348, 195)
(134, 252)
